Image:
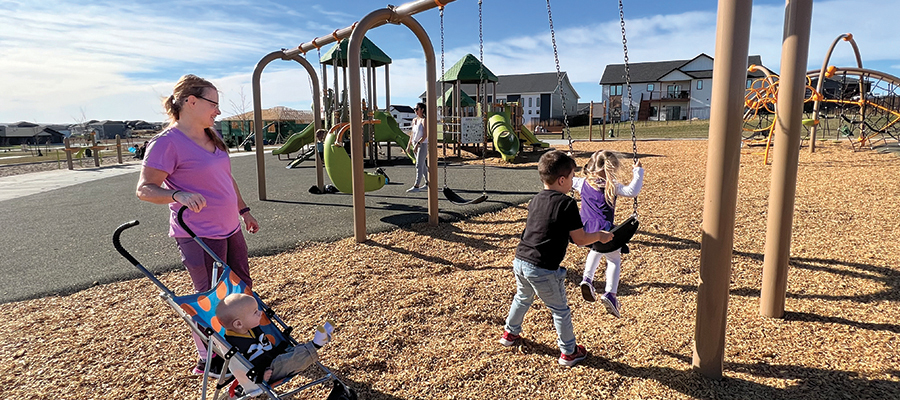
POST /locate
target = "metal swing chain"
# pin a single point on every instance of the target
(443, 100)
(562, 92)
(628, 84)
(483, 88)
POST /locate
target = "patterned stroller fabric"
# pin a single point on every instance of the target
(201, 307)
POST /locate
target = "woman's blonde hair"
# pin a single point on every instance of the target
(602, 173)
(190, 85)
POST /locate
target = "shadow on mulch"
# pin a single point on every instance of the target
(809, 382)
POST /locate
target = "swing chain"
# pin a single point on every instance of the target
(482, 101)
(562, 92)
(628, 85)
(442, 99)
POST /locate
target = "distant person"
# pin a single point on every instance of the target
(320, 143)
(188, 164)
(552, 221)
(418, 145)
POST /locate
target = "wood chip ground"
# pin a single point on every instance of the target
(419, 310)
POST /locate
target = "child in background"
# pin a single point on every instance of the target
(552, 220)
(240, 314)
(598, 207)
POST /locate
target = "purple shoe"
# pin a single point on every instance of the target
(612, 304)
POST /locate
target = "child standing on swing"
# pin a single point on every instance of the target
(599, 189)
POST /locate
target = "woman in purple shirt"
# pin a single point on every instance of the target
(188, 164)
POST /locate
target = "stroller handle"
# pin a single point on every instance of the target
(181, 222)
(118, 243)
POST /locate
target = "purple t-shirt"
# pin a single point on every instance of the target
(192, 168)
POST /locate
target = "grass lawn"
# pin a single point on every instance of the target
(643, 130)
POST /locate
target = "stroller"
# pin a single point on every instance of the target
(238, 378)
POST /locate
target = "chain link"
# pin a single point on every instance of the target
(442, 99)
(559, 84)
(482, 101)
(628, 85)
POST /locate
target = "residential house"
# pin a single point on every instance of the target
(538, 94)
(28, 133)
(664, 90)
(403, 115)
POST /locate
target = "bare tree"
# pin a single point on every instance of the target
(240, 109)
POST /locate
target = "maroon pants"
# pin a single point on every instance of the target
(232, 250)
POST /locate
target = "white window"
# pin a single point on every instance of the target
(530, 103)
(650, 87)
(538, 103)
(700, 84)
(615, 90)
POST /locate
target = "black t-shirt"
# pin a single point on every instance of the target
(551, 216)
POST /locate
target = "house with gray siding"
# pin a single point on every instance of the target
(664, 90)
(539, 95)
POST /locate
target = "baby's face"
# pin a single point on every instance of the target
(250, 315)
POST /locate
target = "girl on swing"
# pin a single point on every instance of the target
(599, 189)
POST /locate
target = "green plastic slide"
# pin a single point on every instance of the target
(529, 139)
(505, 140)
(389, 130)
(296, 141)
(340, 170)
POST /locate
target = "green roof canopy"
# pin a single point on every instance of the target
(449, 101)
(469, 70)
(368, 51)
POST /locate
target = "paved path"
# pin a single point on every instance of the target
(59, 224)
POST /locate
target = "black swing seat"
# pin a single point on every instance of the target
(456, 199)
(622, 234)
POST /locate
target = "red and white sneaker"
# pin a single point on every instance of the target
(508, 339)
(570, 360)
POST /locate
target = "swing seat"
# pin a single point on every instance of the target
(456, 199)
(622, 234)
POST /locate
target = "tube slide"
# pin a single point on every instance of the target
(529, 139)
(505, 140)
(340, 170)
(297, 140)
(389, 130)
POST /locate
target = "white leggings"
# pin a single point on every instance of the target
(613, 268)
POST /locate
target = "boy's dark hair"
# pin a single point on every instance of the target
(554, 164)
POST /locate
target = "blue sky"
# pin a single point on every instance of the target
(65, 61)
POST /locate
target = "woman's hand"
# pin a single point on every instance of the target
(194, 201)
(250, 223)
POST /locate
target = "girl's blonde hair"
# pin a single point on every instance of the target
(602, 173)
(190, 85)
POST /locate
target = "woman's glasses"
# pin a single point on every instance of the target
(215, 103)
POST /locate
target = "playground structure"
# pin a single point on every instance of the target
(729, 83)
(855, 103)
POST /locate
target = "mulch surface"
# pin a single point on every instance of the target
(419, 309)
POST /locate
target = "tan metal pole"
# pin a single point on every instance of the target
(788, 117)
(818, 100)
(723, 163)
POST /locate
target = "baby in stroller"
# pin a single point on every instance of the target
(240, 314)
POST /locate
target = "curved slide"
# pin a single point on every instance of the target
(529, 139)
(505, 140)
(296, 141)
(340, 170)
(389, 130)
